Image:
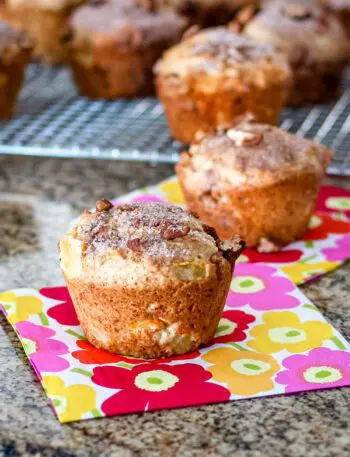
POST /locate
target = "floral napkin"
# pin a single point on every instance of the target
(323, 248)
(271, 340)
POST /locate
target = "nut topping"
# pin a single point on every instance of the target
(171, 232)
(242, 138)
(296, 11)
(232, 249)
(103, 205)
(134, 244)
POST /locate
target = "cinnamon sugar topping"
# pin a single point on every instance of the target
(152, 230)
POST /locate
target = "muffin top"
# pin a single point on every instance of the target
(12, 40)
(133, 23)
(303, 29)
(218, 52)
(252, 155)
(139, 238)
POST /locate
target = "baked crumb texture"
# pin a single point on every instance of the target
(254, 180)
(45, 21)
(15, 51)
(147, 280)
(313, 39)
(214, 76)
(114, 45)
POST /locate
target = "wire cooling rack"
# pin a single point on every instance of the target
(53, 120)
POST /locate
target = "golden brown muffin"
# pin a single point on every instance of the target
(45, 21)
(115, 45)
(209, 13)
(342, 9)
(147, 280)
(15, 51)
(312, 39)
(255, 180)
(216, 75)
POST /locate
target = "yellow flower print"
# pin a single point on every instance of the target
(173, 192)
(299, 272)
(72, 402)
(244, 372)
(19, 308)
(283, 330)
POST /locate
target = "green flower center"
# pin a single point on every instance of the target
(315, 221)
(322, 375)
(247, 285)
(226, 327)
(339, 203)
(155, 380)
(315, 272)
(60, 403)
(250, 367)
(287, 335)
(29, 346)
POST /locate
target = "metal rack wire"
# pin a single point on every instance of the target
(53, 120)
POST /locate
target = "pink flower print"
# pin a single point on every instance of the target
(258, 286)
(322, 368)
(339, 253)
(43, 352)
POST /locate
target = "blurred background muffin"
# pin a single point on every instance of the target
(114, 45)
(214, 76)
(15, 52)
(45, 21)
(313, 40)
(254, 180)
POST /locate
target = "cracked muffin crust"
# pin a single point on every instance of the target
(147, 280)
(214, 76)
(313, 40)
(114, 45)
(254, 180)
(45, 21)
(15, 52)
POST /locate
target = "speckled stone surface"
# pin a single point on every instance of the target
(38, 198)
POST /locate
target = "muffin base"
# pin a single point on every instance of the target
(151, 322)
(47, 28)
(267, 217)
(317, 84)
(11, 79)
(190, 112)
(124, 75)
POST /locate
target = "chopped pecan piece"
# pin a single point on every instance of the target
(173, 231)
(243, 138)
(103, 205)
(232, 249)
(135, 244)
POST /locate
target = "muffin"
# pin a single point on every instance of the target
(210, 12)
(45, 21)
(214, 76)
(254, 180)
(115, 45)
(312, 39)
(342, 9)
(15, 52)
(147, 280)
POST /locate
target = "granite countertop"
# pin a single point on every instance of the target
(38, 197)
